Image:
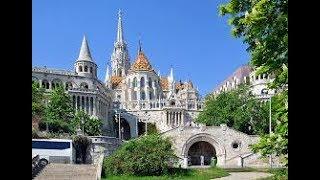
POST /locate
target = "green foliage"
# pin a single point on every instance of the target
(178, 173)
(152, 129)
(92, 126)
(277, 142)
(59, 112)
(37, 100)
(263, 24)
(279, 174)
(147, 155)
(238, 109)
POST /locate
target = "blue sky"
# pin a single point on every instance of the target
(188, 35)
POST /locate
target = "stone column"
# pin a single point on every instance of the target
(177, 117)
(94, 106)
(85, 104)
(89, 105)
(40, 82)
(185, 162)
(76, 104)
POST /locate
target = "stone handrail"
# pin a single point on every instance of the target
(99, 163)
(53, 71)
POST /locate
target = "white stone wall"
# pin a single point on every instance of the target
(220, 137)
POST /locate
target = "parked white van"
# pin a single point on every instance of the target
(54, 151)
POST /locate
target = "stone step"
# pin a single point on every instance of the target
(67, 172)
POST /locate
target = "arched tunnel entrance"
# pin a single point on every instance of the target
(198, 149)
(124, 129)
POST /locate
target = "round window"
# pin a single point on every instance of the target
(236, 145)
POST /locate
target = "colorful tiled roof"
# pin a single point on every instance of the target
(116, 81)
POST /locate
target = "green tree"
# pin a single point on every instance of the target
(147, 155)
(37, 100)
(92, 126)
(59, 112)
(263, 24)
(277, 142)
(238, 109)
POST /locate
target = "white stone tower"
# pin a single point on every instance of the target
(120, 61)
(84, 65)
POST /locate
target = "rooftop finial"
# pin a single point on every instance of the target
(140, 47)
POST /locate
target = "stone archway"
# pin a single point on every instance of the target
(124, 128)
(208, 147)
(198, 149)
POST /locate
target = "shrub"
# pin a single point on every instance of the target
(147, 155)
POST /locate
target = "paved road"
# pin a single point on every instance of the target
(245, 176)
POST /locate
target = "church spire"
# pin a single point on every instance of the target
(85, 51)
(107, 77)
(120, 62)
(120, 31)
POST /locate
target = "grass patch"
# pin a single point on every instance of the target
(176, 173)
(278, 174)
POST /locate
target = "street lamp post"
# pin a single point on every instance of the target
(265, 92)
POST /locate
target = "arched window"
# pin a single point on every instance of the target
(134, 95)
(68, 85)
(143, 95)
(150, 82)
(134, 83)
(151, 96)
(55, 83)
(45, 84)
(90, 69)
(85, 68)
(80, 68)
(120, 72)
(84, 85)
(142, 82)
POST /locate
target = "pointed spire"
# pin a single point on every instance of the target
(107, 77)
(171, 73)
(85, 51)
(139, 46)
(120, 31)
(170, 77)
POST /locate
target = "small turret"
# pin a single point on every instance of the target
(85, 66)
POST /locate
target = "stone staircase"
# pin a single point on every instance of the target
(68, 172)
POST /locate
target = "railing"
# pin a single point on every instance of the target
(53, 71)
